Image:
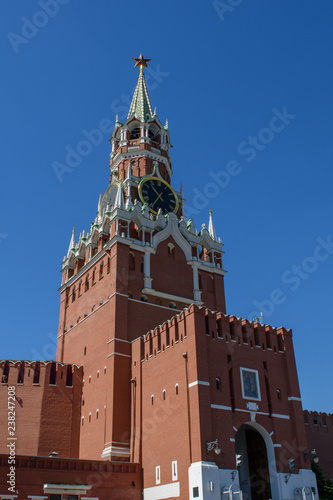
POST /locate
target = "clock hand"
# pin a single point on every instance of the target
(159, 194)
(159, 197)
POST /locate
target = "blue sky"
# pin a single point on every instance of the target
(247, 89)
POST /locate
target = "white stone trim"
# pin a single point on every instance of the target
(79, 489)
(140, 154)
(161, 492)
(116, 451)
(251, 411)
(118, 354)
(118, 293)
(278, 415)
(199, 382)
(151, 304)
(207, 266)
(294, 398)
(172, 229)
(169, 296)
(119, 340)
(221, 407)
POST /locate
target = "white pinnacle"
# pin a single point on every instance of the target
(211, 228)
(71, 243)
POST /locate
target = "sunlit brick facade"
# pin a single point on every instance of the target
(151, 371)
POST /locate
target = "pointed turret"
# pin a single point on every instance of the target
(71, 243)
(211, 228)
(140, 103)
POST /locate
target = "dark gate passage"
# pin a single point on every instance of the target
(258, 466)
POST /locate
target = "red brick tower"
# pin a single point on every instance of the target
(139, 265)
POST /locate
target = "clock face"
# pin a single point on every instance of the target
(158, 194)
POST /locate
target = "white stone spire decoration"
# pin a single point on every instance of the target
(119, 202)
(99, 203)
(211, 228)
(71, 243)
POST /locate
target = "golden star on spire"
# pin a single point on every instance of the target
(140, 61)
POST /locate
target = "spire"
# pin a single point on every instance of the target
(119, 202)
(211, 228)
(71, 243)
(140, 103)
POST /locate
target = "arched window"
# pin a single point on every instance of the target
(73, 294)
(172, 305)
(86, 285)
(177, 389)
(136, 133)
(79, 291)
(171, 250)
(93, 276)
(163, 394)
(142, 267)
(144, 298)
(200, 281)
(131, 263)
(101, 269)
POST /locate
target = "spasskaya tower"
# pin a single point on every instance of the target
(138, 265)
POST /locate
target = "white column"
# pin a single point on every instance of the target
(146, 263)
(196, 291)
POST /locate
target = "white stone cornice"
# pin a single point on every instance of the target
(207, 266)
(169, 296)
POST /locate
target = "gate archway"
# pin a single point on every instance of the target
(257, 472)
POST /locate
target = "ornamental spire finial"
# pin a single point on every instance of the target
(140, 61)
(140, 103)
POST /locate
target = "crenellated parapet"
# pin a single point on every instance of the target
(38, 373)
(234, 332)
